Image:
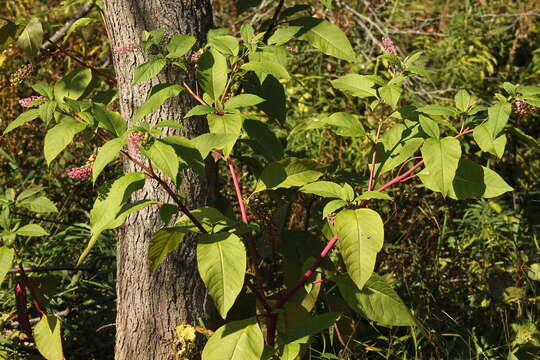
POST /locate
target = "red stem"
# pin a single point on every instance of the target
(373, 158)
(300, 283)
(252, 251)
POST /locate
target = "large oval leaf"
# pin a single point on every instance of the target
(31, 38)
(287, 173)
(61, 136)
(441, 157)
(156, 98)
(104, 214)
(163, 242)
(237, 340)
(221, 261)
(377, 301)
(73, 85)
(326, 37)
(47, 335)
(361, 236)
(148, 70)
(212, 73)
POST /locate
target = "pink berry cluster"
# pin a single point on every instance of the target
(126, 48)
(82, 172)
(522, 108)
(389, 46)
(28, 102)
(17, 77)
(133, 145)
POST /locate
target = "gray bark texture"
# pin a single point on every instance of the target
(151, 305)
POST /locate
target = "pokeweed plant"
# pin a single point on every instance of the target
(241, 92)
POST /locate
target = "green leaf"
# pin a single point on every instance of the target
(212, 220)
(221, 260)
(360, 237)
(31, 230)
(48, 338)
(6, 260)
(156, 98)
(148, 70)
(179, 45)
(106, 208)
(357, 85)
(225, 44)
(168, 124)
(29, 192)
(164, 158)
(482, 134)
(326, 37)
(8, 34)
(82, 22)
(442, 158)
(287, 173)
(471, 181)
(345, 124)
(391, 94)
(498, 115)
(326, 189)
(107, 153)
(437, 110)
(200, 110)
(228, 124)
(236, 340)
(429, 126)
(396, 146)
(22, 119)
(107, 119)
(242, 100)
(43, 89)
(212, 73)
(370, 195)
(283, 35)
(312, 326)
(46, 111)
(208, 142)
(462, 99)
(332, 206)
(61, 136)
(38, 204)
(164, 242)
(187, 153)
(266, 67)
(264, 140)
(31, 38)
(377, 301)
(73, 85)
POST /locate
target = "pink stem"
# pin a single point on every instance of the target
(401, 177)
(285, 297)
(241, 203)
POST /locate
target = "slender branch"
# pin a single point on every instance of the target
(261, 298)
(33, 293)
(111, 79)
(273, 22)
(373, 158)
(193, 94)
(150, 172)
(252, 250)
(57, 222)
(60, 33)
(300, 283)
(401, 177)
(50, 268)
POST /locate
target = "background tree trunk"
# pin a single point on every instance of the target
(150, 306)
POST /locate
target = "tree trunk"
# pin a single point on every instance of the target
(151, 305)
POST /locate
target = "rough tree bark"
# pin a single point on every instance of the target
(150, 306)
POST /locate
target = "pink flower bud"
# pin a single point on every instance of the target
(83, 172)
(389, 46)
(133, 145)
(28, 102)
(522, 108)
(195, 57)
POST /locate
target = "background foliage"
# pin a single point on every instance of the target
(469, 270)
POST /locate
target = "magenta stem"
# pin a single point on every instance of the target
(285, 297)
